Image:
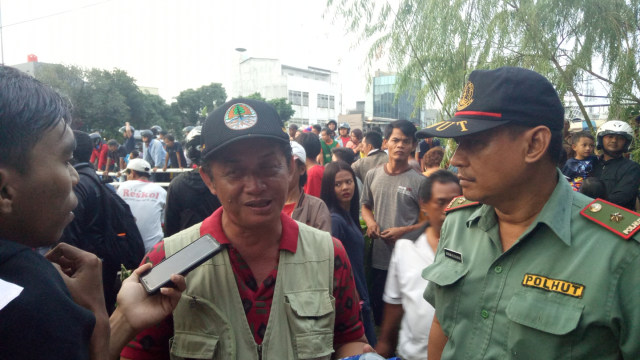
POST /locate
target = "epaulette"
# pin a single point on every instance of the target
(617, 219)
(460, 202)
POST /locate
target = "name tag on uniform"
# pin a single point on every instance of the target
(453, 255)
(553, 285)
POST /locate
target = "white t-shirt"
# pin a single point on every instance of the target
(405, 286)
(146, 201)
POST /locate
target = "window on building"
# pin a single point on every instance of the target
(295, 97)
(332, 102)
(323, 101)
(305, 99)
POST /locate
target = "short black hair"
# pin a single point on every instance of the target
(311, 144)
(345, 154)
(113, 142)
(594, 188)
(407, 127)
(84, 147)
(28, 109)
(329, 132)
(377, 129)
(317, 127)
(170, 137)
(439, 176)
(134, 154)
(374, 139)
(575, 137)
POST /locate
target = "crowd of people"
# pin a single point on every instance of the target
(522, 244)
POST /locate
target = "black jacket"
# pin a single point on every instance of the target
(43, 321)
(621, 178)
(189, 201)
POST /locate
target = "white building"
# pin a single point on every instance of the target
(315, 94)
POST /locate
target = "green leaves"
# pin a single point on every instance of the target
(439, 42)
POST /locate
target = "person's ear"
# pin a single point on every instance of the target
(537, 142)
(7, 191)
(208, 180)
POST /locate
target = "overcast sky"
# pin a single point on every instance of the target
(175, 45)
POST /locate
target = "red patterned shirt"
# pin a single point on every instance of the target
(153, 343)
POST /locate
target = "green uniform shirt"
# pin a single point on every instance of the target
(567, 289)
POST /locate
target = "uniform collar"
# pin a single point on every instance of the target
(556, 213)
(288, 240)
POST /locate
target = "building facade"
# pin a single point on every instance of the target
(315, 94)
(381, 106)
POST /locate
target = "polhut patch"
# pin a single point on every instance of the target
(559, 286)
(454, 255)
(240, 116)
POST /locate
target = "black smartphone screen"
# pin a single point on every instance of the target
(183, 261)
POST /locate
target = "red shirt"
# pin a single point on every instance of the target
(314, 180)
(153, 343)
(288, 208)
(101, 154)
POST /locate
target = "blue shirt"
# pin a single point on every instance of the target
(155, 153)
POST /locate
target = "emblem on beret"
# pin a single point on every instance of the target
(467, 96)
(240, 116)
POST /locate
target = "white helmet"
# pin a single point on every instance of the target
(615, 127)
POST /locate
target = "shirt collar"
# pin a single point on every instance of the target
(288, 240)
(556, 213)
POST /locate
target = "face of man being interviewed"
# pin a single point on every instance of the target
(252, 187)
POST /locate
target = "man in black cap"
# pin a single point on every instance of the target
(526, 267)
(280, 289)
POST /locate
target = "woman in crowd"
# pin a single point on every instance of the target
(431, 160)
(340, 193)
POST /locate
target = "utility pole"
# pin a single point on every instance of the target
(1, 41)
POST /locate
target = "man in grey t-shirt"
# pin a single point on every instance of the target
(390, 204)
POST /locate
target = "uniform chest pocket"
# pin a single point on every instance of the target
(541, 318)
(311, 317)
(448, 275)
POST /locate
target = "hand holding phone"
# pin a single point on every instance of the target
(181, 263)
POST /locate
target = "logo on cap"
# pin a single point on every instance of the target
(240, 116)
(467, 96)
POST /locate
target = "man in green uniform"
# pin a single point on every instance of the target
(527, 268)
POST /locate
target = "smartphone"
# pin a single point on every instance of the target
(181, 263)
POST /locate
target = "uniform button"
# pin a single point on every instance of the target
(484, 314)
(498, 269)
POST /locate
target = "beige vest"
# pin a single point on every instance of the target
(210, 322)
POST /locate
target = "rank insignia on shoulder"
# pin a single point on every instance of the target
(460, 202)
(619, 220)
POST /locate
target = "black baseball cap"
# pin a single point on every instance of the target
(240, 119)
(508, 95)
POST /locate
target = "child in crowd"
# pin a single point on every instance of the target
(579, 168)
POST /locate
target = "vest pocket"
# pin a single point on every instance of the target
(311, 317)
(188, 345)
